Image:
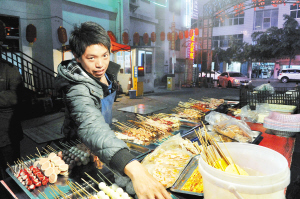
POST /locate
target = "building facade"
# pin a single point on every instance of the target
(159, 57)
(230, 23)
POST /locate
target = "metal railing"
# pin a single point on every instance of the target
(36, 76)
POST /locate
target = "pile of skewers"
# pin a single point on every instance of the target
(172, 121)
(144, 131)
(153, 125)
(213, 155)
(188, 113)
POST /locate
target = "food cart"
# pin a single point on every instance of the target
(283, 145)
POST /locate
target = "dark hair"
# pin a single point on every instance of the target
(88, 33)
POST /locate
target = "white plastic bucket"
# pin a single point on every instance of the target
(270, 170)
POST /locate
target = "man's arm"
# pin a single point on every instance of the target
(13, 81)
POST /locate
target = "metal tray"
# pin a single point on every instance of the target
(77, 173)
(184, 176)
(75, 176)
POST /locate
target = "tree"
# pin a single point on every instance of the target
(277, 43)
(220, 55)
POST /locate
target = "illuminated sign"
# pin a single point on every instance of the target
(191, 48)
(141, 71)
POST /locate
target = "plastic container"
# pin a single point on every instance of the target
(132, 94)
(283, 124)
(268, 169)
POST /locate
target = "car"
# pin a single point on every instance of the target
(233, 79)
(213, 74)
(289, 74)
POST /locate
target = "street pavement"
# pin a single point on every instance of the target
(161, 98)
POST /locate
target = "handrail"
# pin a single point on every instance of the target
(35, 61)
(39, 79)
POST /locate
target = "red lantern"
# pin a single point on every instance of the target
(180, 34)
(62, 35)
(125, 38)
(2, 31)
(153, 37)
(169, 36)
(191, 32)
(145, 38)
(196, 31)
(186, 34)
(136, 38)
(111, 36)
(31, 33)
(162, 36)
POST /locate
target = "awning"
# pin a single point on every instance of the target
(115, 47)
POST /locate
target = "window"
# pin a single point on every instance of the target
(230, 21)
(227, 40)
(235, 20)
(265, 19)
(145, 59)
(295, 10)
(148, 62)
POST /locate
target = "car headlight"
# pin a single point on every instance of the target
(236, 81)
(250, 81)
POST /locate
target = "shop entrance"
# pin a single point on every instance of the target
(263, 70)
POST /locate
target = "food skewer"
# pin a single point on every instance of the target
(231, 158)
(114, 186)
(11, 168)
(43, 194)
(38, 151)
(210, 154)
(89, 185)
(73, 189)
(83, 190)
(52, 195)
(53, 192)
(59, 191)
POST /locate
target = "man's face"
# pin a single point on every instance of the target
(95, 60)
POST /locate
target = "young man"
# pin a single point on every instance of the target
(89, 93)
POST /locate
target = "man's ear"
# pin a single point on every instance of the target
(76, 57)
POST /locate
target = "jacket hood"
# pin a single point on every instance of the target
(70, 72)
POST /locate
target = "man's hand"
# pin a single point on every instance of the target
(144, 184)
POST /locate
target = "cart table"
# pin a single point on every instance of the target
(142, 109)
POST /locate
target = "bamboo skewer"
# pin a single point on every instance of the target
(39, 152)
(231, 158)
(89, 185)
(52, 195)
(105, 177)
(92, 178)
(53, 191)
(52, 149)
(83, 190)
(43, 194)
(112, 171)
(210, 153)
(101, 178)
(74, 189)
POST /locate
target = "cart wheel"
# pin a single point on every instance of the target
(284, 80)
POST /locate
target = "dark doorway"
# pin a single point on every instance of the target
(12, 32)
